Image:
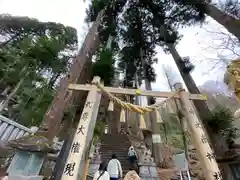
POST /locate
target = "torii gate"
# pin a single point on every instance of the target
(74, 165)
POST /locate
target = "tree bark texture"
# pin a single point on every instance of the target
(52, 119)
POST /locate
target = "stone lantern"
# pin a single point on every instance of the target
(31, 152)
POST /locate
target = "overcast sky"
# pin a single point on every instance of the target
(195, 42)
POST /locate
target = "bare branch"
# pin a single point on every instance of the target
(218, 41)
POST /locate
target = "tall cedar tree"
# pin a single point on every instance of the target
(105, 56)
(34, 55)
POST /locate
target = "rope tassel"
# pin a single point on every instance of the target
(158, 116)
(122, 115)
(111, 106)
(169, 107)
(142, 123)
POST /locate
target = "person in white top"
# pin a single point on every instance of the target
(132, 156)
(114, 168)
(102, 173)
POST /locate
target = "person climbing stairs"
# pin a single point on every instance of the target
(117, 144)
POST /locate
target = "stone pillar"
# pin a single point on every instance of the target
(148, 171)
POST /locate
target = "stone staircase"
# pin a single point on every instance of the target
(118, 144)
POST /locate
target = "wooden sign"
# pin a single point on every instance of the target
(82, 137)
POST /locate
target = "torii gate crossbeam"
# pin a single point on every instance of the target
(87, 87)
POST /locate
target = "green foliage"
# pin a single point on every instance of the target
(139, 29)
(105, 57)
(14, 29)
(39, 53)
(137, 54)
(194, 6)
(176, 140)
(99, 128)
(33, 105)
(168, 17)
(104, 66)
(221, 121)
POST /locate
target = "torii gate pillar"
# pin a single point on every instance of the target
(199, 138)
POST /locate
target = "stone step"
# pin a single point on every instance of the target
(119, 148)
(109, 153)
(124, 149)
(115, 152)
(114, 147)
(110, 145)
(118, 144)
(114, 135)
(115, 142)
(114, 139)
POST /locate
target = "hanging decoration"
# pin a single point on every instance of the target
(122, 115)
(111, 106)
(169, 107)
(142, 123)
(158, 116)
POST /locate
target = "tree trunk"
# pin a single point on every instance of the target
(10, 96)
(52, 119)
(231, 23)
(202, 108)
(53, 79)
